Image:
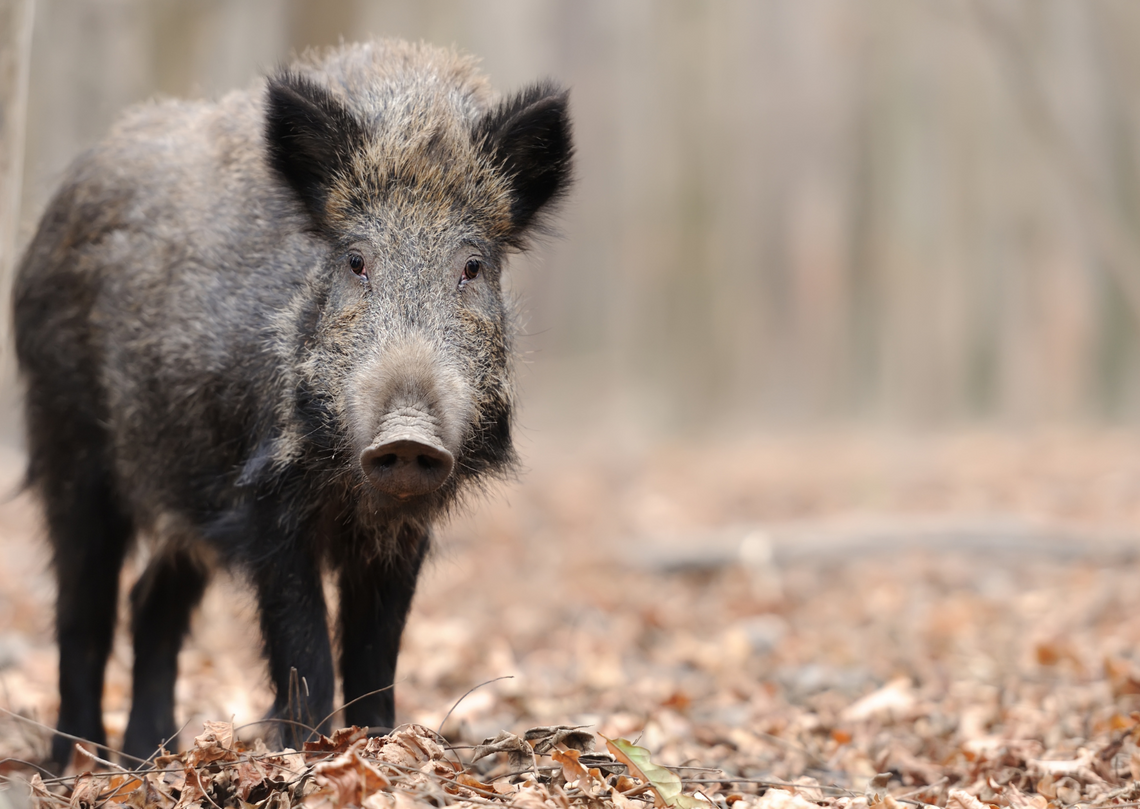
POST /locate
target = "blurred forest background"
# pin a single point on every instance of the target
(788, 212)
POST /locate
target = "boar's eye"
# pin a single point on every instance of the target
(356, 264)
(470, 271)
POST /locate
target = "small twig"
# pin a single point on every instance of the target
(8, 760)
(446, 716)
(690, 767)
(633, 791)
(63, 779)
(85, 752)
(130, 777)
(764, 783)
(55, 732)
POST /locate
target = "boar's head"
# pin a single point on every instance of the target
(419, 186)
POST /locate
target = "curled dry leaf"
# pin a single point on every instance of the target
(121, 787)
(419, 738)
(87, 790)
(468, 780)
(520, 755)
(1068, 790)
(346, 779)
(545, 739)
(442, 771)
(571, 769)
(215, 743)
(341, 740)
(1017, 799)
(38, 792)
(194, 789)
(532, 796)
(248, 775)
(408, 746)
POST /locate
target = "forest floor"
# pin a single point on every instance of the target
(849, 619)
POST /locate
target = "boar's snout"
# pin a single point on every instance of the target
(407, 466)
(409, 413)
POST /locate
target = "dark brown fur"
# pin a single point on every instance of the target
(205, 366)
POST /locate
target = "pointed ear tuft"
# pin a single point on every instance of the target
(528, 136)
(310, 137)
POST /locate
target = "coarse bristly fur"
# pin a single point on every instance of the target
(231, 314)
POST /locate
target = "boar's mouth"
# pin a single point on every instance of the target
(407, 461)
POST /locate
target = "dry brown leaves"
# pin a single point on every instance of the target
(557, 768)
(407, 768)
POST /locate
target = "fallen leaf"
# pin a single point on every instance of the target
(409, 746)
(666, 783)
(341, 740)
(346, 779)
(503, 786)
(520, 755)
(544, 739)
(214, 744)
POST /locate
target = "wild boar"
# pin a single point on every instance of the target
(269, 333)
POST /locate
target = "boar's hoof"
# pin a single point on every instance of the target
(406, 467)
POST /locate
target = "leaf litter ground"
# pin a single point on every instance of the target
(844, 620)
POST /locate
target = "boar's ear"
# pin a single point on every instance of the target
(310, 136)
(528, 136)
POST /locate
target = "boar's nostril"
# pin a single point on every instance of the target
(407, 467)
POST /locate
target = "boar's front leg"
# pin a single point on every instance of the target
(374, 603)
(295, 630)
(161, 603)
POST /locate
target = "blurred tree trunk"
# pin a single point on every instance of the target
(15, 56)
